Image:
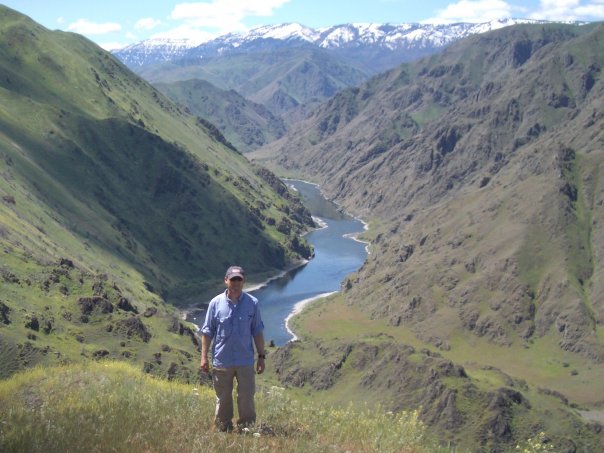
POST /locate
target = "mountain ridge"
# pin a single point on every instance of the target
(389, 36)
(246, 124)
(290, 68)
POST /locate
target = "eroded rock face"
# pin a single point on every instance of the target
(401, 378)
(94, 303)
(4, 312)
(33, 323)
(492, 209)
(133, 327)
(126, 305)
(320, 377)
(101, 353)
(179, 328)
(150, 311)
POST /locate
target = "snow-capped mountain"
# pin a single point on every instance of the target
(404, 35)
(388, 37)
(156, 50)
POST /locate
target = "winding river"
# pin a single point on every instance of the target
(337, 254)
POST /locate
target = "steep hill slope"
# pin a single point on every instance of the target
(113, 202)
(484, 152)
(283, 79)
(246, 124)
(481, 169)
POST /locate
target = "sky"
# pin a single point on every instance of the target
(117, 23)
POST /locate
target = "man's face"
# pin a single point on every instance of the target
(234, 285)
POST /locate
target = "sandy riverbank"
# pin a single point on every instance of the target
(298, 308)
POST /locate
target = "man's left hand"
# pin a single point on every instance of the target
(260, 366)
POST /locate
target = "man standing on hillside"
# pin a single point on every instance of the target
(232, 324)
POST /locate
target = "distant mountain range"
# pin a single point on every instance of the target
(289, 68)
(397, 40)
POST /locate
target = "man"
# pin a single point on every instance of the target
(232, 324)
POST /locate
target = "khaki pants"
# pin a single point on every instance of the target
(223, 379)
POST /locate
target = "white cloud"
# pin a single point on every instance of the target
(594, 11)
(472, 11)
(146, 23)
(559, 3)
(224, 15)
(193, 34)
(86, 27)
(569, 10)
(109, 46)
(486, 10)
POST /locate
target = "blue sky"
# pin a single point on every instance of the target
(116, 23)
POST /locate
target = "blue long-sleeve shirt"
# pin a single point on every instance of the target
(232, 328)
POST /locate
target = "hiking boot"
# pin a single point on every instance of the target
(224, 427)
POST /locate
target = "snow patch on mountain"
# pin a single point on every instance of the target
(383, 36)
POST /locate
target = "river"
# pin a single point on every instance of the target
(337, 254)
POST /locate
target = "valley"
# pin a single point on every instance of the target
(478, 169)
(116, 209)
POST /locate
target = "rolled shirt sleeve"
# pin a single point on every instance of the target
(209, 326)
(257, 324)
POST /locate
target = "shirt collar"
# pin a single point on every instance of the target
(229, 300)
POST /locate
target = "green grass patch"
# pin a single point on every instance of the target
(430, 113)
(535, 256)
(542, 364)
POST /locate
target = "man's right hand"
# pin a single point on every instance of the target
(205, 365)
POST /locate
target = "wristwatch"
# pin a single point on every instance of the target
(262, 356)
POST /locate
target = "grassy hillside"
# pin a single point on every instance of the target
(496, 400)
(286, 81)
(113, 407)
(244, 123)
(115, 202)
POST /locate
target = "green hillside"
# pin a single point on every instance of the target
(287, 81)
(115, 206)
(490, 401)
(244, 123)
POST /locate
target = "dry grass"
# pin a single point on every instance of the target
(109, 407)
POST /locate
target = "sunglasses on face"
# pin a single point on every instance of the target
(235, 279)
